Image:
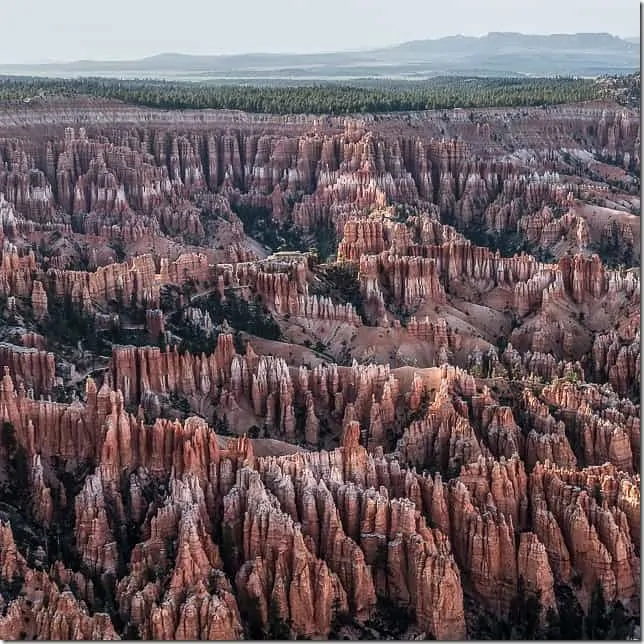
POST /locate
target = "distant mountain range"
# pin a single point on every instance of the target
(496, 54)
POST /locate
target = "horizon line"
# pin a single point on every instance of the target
(51, 62)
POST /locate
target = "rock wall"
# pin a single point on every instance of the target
(34, 368)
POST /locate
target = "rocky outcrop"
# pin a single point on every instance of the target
(42, 611)
(444, 438)
(348, 523)
(283, 286)
(533, 567)
(275, 566)
(194, 582)
(598, 535)
(617, 360)
(511, 468)
(608, 428)
(154, 323)
(39, 300)
(33, 368)
(265, 387)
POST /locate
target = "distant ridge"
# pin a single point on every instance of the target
(497, 53)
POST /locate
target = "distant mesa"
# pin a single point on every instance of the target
(497, 53)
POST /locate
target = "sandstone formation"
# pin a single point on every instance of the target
(207, 438)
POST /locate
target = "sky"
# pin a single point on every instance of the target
(38, 31)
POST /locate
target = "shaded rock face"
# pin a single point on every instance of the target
(498, 457)
(31, 366)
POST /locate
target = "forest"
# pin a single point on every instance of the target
(327, 98)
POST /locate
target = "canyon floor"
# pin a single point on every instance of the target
(298, 377)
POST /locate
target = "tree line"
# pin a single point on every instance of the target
(322, 98)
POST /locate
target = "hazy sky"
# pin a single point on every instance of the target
(65, 30)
